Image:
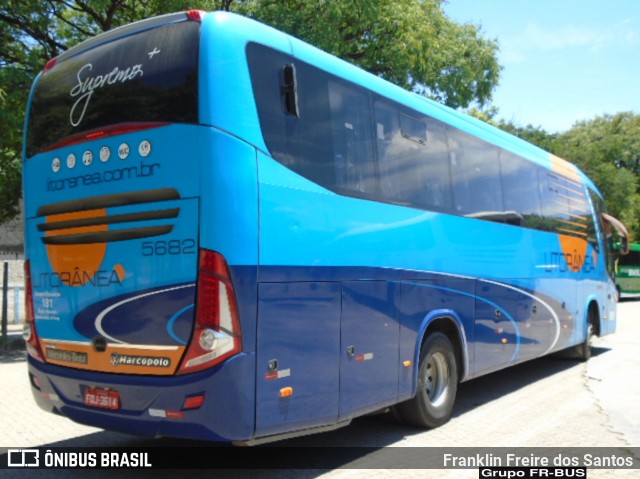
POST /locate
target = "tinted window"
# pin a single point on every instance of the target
(389, 153)
(520, 189)
(147, 77)
(580, 219)
(565, 206)
(302, 143)
(331, 141)
(631, 259)
(413, 159)
(555, 208)
(353, 158)
(475, 170)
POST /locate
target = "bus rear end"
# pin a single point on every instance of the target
(133, 322)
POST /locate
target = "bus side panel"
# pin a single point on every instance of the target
(369, 346)
(226, 92)
(423, 302)
(229, 218)
(298, 348)
(512, 325)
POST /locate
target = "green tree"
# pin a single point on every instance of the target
(607, 149)
(11, 116)
(533, 134)
(409, 42)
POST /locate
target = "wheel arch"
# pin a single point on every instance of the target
(593, 308)
(448, 322)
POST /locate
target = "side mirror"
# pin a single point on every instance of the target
(622, 246)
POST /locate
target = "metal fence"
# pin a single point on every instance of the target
(12, 287)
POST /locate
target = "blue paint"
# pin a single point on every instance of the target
(173, 320)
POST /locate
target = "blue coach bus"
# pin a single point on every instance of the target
(234, 236)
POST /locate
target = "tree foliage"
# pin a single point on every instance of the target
(409, 42)
(607, 148)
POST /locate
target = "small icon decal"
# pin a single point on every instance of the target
(71, 161)
(123, 151)
(105, 154)
(55, 165)
(144, 148)
(87, 158)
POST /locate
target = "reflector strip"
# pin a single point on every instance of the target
(364, 357)
(273, 375)
(193, 402)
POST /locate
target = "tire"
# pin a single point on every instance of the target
(583, 350)
(437, 385)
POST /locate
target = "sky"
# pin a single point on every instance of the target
(562, 61)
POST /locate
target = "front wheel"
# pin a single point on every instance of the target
(583, 350)
(437, 385)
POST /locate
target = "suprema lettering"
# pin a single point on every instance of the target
(87, 85)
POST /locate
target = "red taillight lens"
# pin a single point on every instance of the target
(195, 15)
(50, 64)
(29, 333)
(216, 334)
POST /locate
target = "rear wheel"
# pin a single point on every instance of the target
(437, 384)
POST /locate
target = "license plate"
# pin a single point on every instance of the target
(102, 398)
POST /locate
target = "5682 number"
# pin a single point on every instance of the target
(171, 247)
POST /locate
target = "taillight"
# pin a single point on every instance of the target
(29, 332)
(50, 64)
(195, 15)
(216, 334)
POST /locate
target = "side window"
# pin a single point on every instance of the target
(580, 218)
(353, 158)
(555, 207)
(477, 190)
(630, 259)
(520, 189)
(303, 143)
(436, 170)
(565, 205)
(412, 159)
(599, 228)
(390, 153)
(328, 139)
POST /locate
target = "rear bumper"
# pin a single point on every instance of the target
(152, 406)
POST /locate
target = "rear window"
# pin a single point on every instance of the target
(149, 76)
